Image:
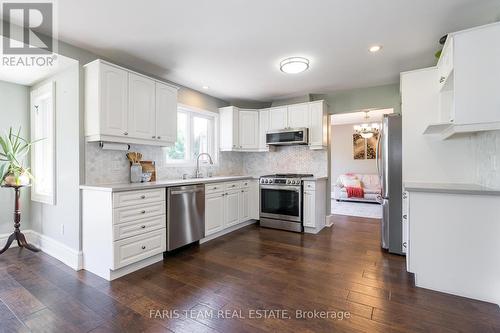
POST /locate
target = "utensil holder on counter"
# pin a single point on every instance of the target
(135, 173)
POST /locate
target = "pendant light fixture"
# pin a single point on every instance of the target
(366, 130)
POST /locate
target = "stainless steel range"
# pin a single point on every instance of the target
(281, 201)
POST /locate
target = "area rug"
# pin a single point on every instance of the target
(361, 209)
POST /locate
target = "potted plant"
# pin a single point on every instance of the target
(13, 151)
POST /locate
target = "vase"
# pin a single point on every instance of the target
(135, 173)
(13, 180)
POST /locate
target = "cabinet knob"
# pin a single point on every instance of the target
(143, 212)
(143, 247)
(405, 245)
(405, 216)
(242, 191)
(143, 227)
(143, 196)
(158, 137)
(441, 79)
(125, 133)
(153, 137)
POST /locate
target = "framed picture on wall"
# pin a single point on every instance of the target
(364, 149)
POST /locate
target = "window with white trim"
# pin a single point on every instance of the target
(42, 114)
(196, 134)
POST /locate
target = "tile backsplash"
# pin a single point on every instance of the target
(109, 166)
(486, 146)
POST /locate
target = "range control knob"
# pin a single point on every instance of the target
(270, 181)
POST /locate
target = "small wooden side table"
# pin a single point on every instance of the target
(17, 234)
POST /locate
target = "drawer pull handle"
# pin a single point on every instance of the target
(214, 188)
(143, 196)
(233, 185)
(143, 212)
(143, 226)
(143, 247)
(405, 216)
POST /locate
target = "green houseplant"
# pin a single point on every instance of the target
(13, 151)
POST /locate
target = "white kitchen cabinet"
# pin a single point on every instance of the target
(314, 205)
(244, 204)
(229, 205)
(232, 208)
(263, 128)
(124, 106)
(248, 129)
(298, 115)
(467, 88)
(106, 100)
(278, 118)
(166, 113)
(318, 127)
(229, 128)
(122, 232)
(141, 107)
(214, 213)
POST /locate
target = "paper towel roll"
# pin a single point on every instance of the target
(114, 146)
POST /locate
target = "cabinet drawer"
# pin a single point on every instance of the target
(310, 186)
(139, 227)
(133, 249)
(232, 185)
(214, 188)
(128, 214)
(129, 198)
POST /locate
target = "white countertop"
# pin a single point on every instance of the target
(453, 188)
(161, 183)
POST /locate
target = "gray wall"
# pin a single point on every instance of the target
(379, 97)
(14, 112)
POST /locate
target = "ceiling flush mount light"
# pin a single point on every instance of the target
(366, 130)
(375, 48)
(294, 65)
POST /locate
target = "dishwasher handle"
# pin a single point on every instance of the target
(174, 192)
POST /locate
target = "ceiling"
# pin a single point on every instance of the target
(359, 117)
(234, 46)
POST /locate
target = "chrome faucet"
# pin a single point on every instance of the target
(198, 173)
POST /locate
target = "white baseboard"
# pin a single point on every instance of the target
(50, 246)
(329, 221)
(226, 231)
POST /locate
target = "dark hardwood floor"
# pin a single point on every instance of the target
(341, 270)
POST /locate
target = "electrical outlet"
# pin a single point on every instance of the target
(62, 229)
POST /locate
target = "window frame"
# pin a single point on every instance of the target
(43, 90)
(213, 139)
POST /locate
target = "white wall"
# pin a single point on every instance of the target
(427, 158)
(342, 154)
(47, 219)
(14, 112)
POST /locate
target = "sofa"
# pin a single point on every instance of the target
(370, 184)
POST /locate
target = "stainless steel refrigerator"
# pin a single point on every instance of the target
(389, 166)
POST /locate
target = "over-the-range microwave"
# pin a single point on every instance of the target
(288, 136)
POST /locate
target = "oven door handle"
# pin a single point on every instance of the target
(283, 188)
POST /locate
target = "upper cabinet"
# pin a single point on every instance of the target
(468, 80)
(124, 106)
(245, 130)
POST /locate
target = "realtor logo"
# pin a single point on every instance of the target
(27, 28)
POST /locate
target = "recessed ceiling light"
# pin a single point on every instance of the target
(206, 87)
(294, 65)
(375, 48)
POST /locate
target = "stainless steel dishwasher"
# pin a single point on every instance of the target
(185, 215)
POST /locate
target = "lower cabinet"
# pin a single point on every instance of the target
(229, 204)
(314, 207)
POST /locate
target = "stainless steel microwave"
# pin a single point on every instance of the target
(288, 136)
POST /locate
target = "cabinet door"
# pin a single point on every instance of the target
(278, 118)
(244, 205)
(214, 213)
(228, 128)
(263, 128)
(166, 113)
(231, 208)
(317, 135)
(141, 113)
(405, 220)
(113, 102)
(309, 212)
(249, 129)
(298, 115)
